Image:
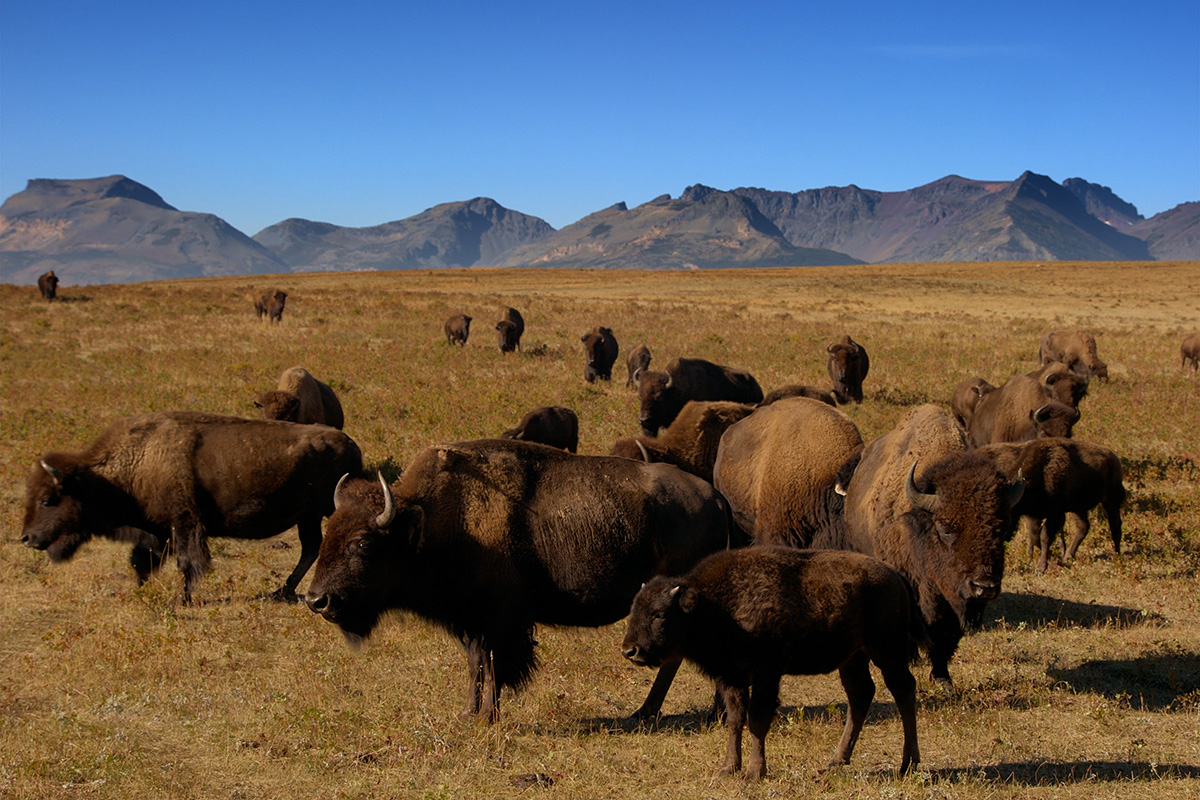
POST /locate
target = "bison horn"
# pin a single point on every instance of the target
(56, 474)
(389, 506)
(337, 489)
(637, 374)
(1075, 417)
(1042, 414)
(670, 380)
(645, 453)
(926, 501)
(839, 489)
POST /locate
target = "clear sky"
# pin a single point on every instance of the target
(358, 113)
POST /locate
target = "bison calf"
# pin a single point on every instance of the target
(1189, 350)
(600, 353)
(271, 305)
(457, 329)
(848, 366)
(554, 426)
(691, 441)
(638, 360)
(748, 617)
(966, 396)
(301, 398)
(509, 330)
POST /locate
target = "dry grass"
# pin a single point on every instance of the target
(1085, 682)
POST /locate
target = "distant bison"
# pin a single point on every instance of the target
(554, 426)
(664, 394)
(600, 351)
(271, 305)
(848, 366)
(1018, 411)
(180, 477)
(301, 398)
(510, 328)
(1189, 350)
(966, 396)
(638, 360)
(492, 537)
(691, 441)
(1061, 384)
(48, 285)
(1062, 476)
(747, 617)
(778, 468)
(1076, 349)
(457, 329)
(799, 390)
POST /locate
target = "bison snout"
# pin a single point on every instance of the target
(317, 603)
(36, 543)
(634, 654)
(985, 589)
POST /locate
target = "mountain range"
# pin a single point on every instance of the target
(115, 229)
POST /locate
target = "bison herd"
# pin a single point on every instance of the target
(755, 536)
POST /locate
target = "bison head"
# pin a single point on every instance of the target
(361, 556)
(593, 344)
(1065, 386)
(55, 512)
(848, 366)
(279, 405)
(961, 520)
(1054, 419)
(661, 401)
(658, 621)
(507, 336)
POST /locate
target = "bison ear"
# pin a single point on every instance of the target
(687, 600)
(412, 521)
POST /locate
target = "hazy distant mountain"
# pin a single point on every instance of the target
(113, 229)
(1103, 204)
(475, 233)
(1172, 235)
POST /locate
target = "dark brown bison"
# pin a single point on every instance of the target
(638, 360)
(1189, 350)
(48, 285)
(799, 390)
(778, 469)
(509, 330)
(271, 305)
(1076, 349)
(1062, 476)
(457, 329)
(966, 396)
(492, 537)
(691, 441)
(1018, 411)
(848, 366)
(1061, 384)
(600, 349)
(939, 514)
(747, 617)
(664, 394)
(553, 426)
(180, 477)
(301, 398)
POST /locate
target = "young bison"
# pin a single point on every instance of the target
(747, 617)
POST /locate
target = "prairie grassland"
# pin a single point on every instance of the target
(1085, 681)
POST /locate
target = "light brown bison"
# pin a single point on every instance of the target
(939, 514)
(637, 360)
(1076, 349)
(799, 390)
(301, 398)
(457, 329)
(553, 426)
(271, 305)
(510, 329)
(664, 394)
(778, 469)
(1189, 350)
(600, 351)
(691, 441)
(748, 617)
(848, 366)
(1061, 384)
(1018, 411)
(180, 477)
(966, 396)
(48, 285)
(1062, 476)
(490, 538)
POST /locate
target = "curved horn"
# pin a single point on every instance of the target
(925, 501)
(389, 506)
(839, 489)
(645, 453)
(56, 474)
(637, 374)
(670, 380)
(829, 348)
(1042, 414)
(1075, 417)
(338, 489)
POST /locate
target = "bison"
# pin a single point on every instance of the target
(301, 398)
(799, 390)
(601, 349)
(1018, 411)
(1189, 350)
(180, 477)
(944, 526)
(664, 394)
(748, 617)
(1062, 476)
(553, 426)
(271, 305)
(966, 396)
(457, 329)
(848, 365)
(48, 285)
(1061, 384)
(1076, 349)
(509, 330)
(690, 442)
(778, 469)
(637, 360)
(492, 537)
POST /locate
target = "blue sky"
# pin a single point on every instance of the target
(359, 113)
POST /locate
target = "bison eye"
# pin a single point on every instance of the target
(944, 532)
(48, 501)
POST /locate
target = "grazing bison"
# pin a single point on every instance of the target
(966, 396)
(944, 530)
(601, 353)
(1189, 350)
(799, 390)
(48, 285)
(301, 398)
(553, 426)
(510, 328)
(1018, 411)
(778, 469)
(664, 394)
(271, 305)
(638, 360)
(181, 477)
(848, 365)
(691, 441)
(1062, 476)
(457, 329)
(492, 537)
(748, 617)
(1076, 349)
(1061, 384)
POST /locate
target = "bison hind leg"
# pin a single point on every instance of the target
(860, 691)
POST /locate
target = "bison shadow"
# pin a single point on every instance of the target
(698, 720)
(1059, 773)
(902, 398)
(1039, 611)
(1150, 683)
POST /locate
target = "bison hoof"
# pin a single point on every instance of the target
(283, 595)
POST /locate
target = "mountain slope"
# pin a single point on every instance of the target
(1172, 235)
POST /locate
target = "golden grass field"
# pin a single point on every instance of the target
(1084, 683)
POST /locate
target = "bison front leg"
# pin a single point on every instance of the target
(860, 691)
(1032, 527)
(736, 698)
(1051, 529)
(1082, 526)
(191, 552)
(310, 545)
(764, 700)
(476, 655)
(658, 692)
